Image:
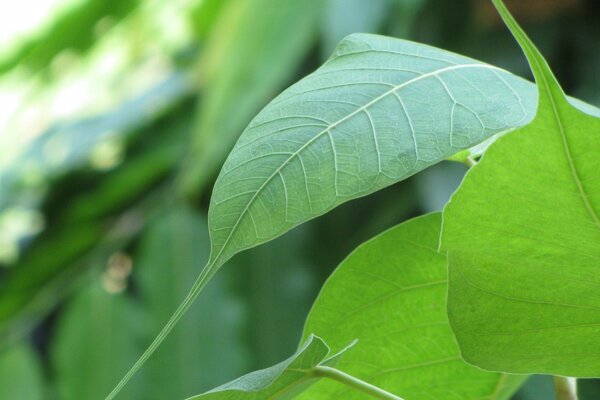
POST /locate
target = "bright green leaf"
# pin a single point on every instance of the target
(390, 294)
(523, 241)
(282, 381)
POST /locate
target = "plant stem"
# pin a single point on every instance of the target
(565, 389)
(470, 162)
(354, 383)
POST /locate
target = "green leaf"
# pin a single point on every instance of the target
(74, 30)
(20, 374)
(282, 381)
(390, 294)
(377, 112)
(172, 251)
(523, 241)
(252, 52)
(96, 339)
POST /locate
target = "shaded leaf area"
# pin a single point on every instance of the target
(75, 30)
(95, 340)
(248, 58)
(377, 112)
(21, 373)
(282, 381)
(523, 241)
(390, 295)
(209, 344)
(100, 217)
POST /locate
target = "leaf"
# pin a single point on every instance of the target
(96, 338)
(282, 381)
(390, 295)
(523, 241)
(252, 52)
(346, 131)
(171, 253)
(377, 112)
(20, 374)
(38, 51)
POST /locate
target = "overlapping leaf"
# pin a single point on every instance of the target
(390, 294)
(377, 112)
(523, 241)
(281, 381)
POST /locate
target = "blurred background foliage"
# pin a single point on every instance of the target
(115, 116)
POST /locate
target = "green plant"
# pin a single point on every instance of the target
(377, 112)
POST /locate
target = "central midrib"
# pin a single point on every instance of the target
(328, 129)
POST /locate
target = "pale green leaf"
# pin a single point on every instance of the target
(282, 381)
(390, 294)
(523, 241)
(378, 111)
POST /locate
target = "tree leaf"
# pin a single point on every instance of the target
(282, 381)
(523, 240)
(377, 112)
(20, 374)
(390, 295)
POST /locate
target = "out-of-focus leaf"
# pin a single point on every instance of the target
(538, 387)
(279, 285)
(435, 185)
(588, 389)
(253, 52)
(522, 235)
(205, 15)
(68, 146)
(390, 294)
(45, 261)
(43, 273)
(343, 17)
(20, 374)
(282, 381)
(74, 30)
(206, 348)
(96, 340)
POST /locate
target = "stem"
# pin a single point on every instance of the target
(470, 162)
(566, 388)
(202, 280)
(355, 383)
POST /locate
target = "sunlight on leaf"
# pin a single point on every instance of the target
(523, 241)
(390, 294)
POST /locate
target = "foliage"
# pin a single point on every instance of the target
(105, 214)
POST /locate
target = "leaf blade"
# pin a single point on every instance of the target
(294, 156)
(523, 297)
(390, 295)
(281, 381)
